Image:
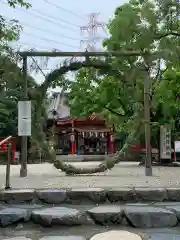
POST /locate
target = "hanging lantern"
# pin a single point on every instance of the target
(102, 134)
(90, 134)
(83, 134)
(96, 134)
(72, 138)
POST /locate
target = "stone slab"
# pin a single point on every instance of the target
(17, 195)
(87, 195)
(116, 235)
(166, 204)
(58, 216)
(164, 236)
(106, 215)
(97, 195)
(150, 217)
(151, 194)
(27, 206)
(9, 216)
(173, 194)
(175, 209)
(137, 204)
(121, 194)
(62, 238)
(17, 238)
(53, 196)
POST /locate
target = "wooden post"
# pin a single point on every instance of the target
(73, 144)
(8, 167)
(148, 159)
(24, 139)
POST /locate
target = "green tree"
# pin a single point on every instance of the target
(138, 25)
(11, 83)
(166, 101)
(22, 3)
(151, 27)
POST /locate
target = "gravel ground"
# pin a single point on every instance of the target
(123, 175)
(36, 232)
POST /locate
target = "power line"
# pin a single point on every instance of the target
(56, 18)
(48, 39)
(64, 9)
(45, 17)
(45, 30)
(31, 45)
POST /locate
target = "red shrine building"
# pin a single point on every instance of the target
(78, 135)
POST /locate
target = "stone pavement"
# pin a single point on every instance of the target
(136, 215)
(102, 215)
(123, 175)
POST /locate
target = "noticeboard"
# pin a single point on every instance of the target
(24, 118)
(177, 146)
(165, 142)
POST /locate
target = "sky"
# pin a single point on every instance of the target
(53, 24)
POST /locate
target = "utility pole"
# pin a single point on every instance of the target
(23, 170)
(148, 159)
(92, 28)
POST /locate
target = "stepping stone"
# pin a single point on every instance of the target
(62, 238)
(150, 217)
(58, 216)
(173, 194)
(175, 209)
(121, 194)
(18, 238)
(163, 236)
(17, 195)
(12, 215)
(27, 206)
(166, 204)
(53, 196)
(82, 195)
(106, 215)
(116, 235)
(137, 204)
(150, 194)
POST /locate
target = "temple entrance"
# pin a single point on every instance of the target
(92, 145)
(83, 136)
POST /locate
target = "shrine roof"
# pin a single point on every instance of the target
(91, 118)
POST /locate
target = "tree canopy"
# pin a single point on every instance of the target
(11, 78)
(145, 26)
(22, 3)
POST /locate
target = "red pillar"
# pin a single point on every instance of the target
(13, 148)
(111, 144)
(73, 143)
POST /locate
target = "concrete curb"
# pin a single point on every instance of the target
(90, 195)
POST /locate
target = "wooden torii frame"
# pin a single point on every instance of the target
(86, 54)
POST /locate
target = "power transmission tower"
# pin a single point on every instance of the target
(92, 30)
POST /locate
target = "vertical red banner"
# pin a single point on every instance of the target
(111, 144)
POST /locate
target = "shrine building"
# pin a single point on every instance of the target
(78, 135)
